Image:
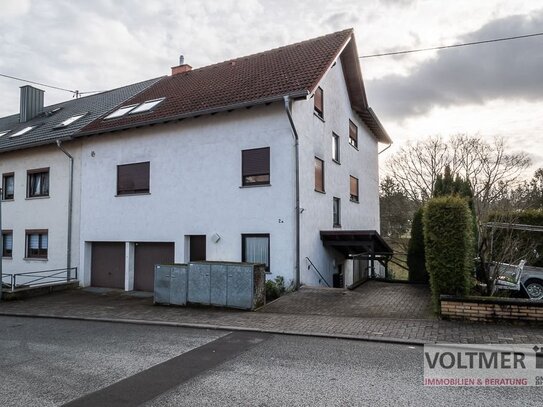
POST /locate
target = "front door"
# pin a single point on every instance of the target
(197, 247)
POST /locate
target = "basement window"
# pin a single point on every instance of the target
(69, 121)
(4, 132)
(120, 112)
(22, 131)
(146, 106)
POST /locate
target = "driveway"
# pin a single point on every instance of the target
(374, 299)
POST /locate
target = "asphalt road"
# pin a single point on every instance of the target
(47, 362)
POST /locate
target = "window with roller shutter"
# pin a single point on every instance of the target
(319, 102)
(354, 188)
(133, 178)
(319, 175)
(255, 166)
(7, 243)
(37, 244)
(353, 134)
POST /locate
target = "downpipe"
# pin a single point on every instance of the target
(297, 159)
(70, 210)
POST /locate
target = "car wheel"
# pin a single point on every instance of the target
(534, 288)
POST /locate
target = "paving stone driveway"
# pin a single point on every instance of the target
(119, 306)
(374, 299)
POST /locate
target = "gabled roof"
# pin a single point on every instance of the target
(93, 107)
(294, 70)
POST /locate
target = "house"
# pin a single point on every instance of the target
(269, 158)
(39, 230)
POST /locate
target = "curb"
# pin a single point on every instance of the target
(365, 338)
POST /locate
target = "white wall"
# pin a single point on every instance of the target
(194, 186)
(316, 141)
(41, 213)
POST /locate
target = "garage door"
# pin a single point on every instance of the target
(107, 264)
(145, 257)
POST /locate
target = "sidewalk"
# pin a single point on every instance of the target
(121, 307)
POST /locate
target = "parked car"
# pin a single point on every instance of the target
(532, 280)
(525, 279)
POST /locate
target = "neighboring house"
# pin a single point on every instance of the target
(267, 158)
(36, 177)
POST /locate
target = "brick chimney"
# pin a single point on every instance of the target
(182, 67)
(31, 103)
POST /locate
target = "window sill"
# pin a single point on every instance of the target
(135, 194)
(319, 117)
(320, 192)
(255, 186)
(8, 200)
(30, 198)
(7, 258)
(336, 161)
(35, 259)
(355, 147)
(355, 201)
(337, 226)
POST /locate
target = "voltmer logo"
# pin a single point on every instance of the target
(483, 365)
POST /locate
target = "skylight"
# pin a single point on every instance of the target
(69, 121)
(3, 132)
(146, 106)
(120, 112)
(22, 131)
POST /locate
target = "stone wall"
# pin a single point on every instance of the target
(491, 309)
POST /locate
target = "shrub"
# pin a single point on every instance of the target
(449, 246)
(415, 251)
(275, 288)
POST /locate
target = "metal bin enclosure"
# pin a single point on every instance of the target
(171, 282)
(223, 284)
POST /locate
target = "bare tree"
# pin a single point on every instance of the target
(416, 166)
(490, 170)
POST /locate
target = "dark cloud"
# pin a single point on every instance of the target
(511, 70)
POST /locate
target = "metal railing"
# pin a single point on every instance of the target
(317, 271)
(31, 279)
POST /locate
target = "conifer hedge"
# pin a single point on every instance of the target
(415, 251)
(449, 245)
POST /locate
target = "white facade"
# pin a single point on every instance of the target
(44, 213)
(316, 141)
(195, 187)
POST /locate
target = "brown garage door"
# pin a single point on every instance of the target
(146, 256)
(107, 264)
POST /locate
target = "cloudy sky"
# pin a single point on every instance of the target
(493, 90)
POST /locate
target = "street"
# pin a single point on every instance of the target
(49, 362)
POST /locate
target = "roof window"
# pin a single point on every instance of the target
(120, 112)
(146, 106)
(69, 121)
(22, 131)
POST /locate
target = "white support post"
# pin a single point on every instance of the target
(129, 266)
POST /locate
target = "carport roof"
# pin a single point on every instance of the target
(355, 242)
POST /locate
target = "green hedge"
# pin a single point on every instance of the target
(415, 251)
(449, 246)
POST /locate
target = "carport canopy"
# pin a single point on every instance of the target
(357, 243)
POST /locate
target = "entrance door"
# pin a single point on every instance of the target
(146, 256)
(107, 264)
(197, 246)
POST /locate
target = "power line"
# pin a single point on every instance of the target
(38, 83)
(75, 93)
(411, 51)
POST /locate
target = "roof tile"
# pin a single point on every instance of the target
(271, 74)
